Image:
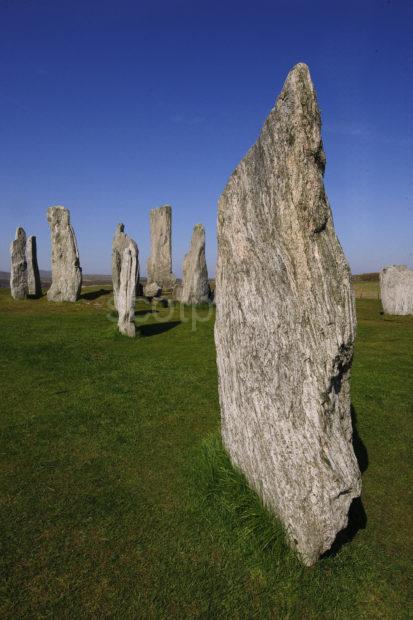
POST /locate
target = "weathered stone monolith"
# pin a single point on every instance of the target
(127, 289)
(195, 285)
(33, 275)
(285, 327)
(396, 289)
(66, 272)
(160, 260)
(18, 269)
(119, 244)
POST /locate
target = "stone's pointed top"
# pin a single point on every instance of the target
(20, 233)
(120, 228)
(199, 227)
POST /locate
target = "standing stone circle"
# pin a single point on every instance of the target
(18, 269)
(160, 261)
(33, 275)
(127, 289)
(396, 289)
(119, 244)
(285, 327)
(195, 285)
(66, 272)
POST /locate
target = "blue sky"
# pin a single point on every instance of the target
(112, 108)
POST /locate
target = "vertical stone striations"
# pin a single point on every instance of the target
(18, 269)
(127, 289)
(66, 272)
(285, 327)
(396, 289)
(33, 275)
(160, 260)
(195, 285)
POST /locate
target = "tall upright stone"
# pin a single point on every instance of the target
(195, 285)
(66, 271)
(33, 275)
(127, 289)
(285, 327)
(396, 289)
(119, 244)
(160, 261)
(18, 269)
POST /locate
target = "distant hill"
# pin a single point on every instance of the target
(46, 278)
(366, 277)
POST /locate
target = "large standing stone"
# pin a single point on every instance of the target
(18, 270)
(160, 260)
(33, 275)
(127, 289)
(285, 327)
(66, 271)
(119, 244)
(396, 289)
(195, 285)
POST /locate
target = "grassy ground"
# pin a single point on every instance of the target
(117, 501)
(367, 290)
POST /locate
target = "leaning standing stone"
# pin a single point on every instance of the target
(160, 261)
(18, 270)
(127, 289)
(119, 244)
(195, 285)
(66, 271)
(33, 275)
(285, 327)
(396, 289)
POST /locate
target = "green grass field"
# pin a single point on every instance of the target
(117, 500)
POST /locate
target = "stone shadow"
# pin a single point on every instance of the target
(95, 294)
(153, 329)
(357, 517)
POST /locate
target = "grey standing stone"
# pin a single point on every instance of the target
(127, 289)
(160, 260)
(33, 275)
(18, 270)
(119, 244)
(285, 327)
(152, 290)
(66, 272)
(195, 285)
(396, 289)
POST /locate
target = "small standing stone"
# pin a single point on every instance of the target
(18, 271)
(396, 289)
(66, 272)
(127, 289)
(119, 244)
(33, 275)
(152, 290)
(195, 285)
(160, 260)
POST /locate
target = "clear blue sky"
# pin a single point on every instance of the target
(112, 108)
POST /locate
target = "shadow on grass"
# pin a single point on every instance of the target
(95, 294)
(157, 328)
(145, 312)
(357, 517)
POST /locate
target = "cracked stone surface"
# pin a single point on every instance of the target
(285, 327)
(127, 289)
(66, 272)
(18, 268)
(33, 275)
(119, 244)
(160, 261)
(195, 285)
(396, 289)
